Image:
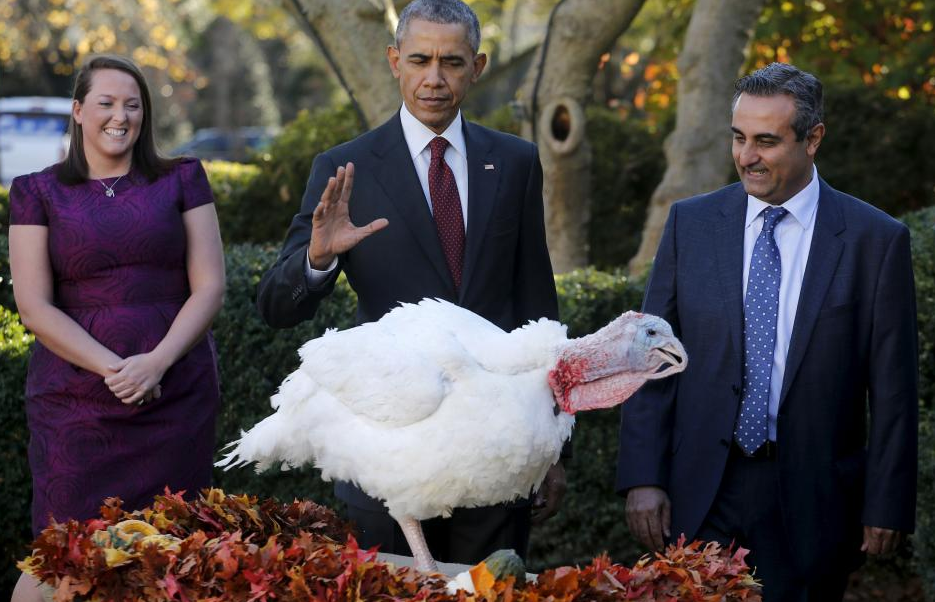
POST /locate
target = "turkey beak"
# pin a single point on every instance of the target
(673, 359)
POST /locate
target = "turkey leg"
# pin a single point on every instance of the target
(412, 529)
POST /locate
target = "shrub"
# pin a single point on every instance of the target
(15, 480)
(256, 202)
(588, 299)
(6, 283)
(924, 539)
(502, 120)
(922, 225)
(627, 165)
(254, 359)
(878, 148)
(239, 203)
(4, 209)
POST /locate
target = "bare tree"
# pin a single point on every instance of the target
(353, 36)
(697, 151)
(554, 96)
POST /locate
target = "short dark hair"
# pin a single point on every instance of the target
(74, 168)
(781, 78)
(440, 11)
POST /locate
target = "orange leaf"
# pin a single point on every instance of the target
(483, 580)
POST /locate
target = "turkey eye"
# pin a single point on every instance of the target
(651, 332)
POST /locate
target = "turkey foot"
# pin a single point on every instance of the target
(412, 529)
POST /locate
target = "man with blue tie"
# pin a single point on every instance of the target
(793, 432)
(426, 205)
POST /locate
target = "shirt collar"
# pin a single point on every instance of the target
(802, 206)
(418, 135)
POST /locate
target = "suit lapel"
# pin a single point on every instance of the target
(823, 257)
(397, 176)
(728, 241)
(482, 189)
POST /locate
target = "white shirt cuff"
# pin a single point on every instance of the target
(316, 278)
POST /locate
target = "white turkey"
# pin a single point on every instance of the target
(433, 407)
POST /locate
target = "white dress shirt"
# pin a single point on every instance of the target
(793, 236)
(418, 136)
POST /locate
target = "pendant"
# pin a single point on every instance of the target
(109, 192)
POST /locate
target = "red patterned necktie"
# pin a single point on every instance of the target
(446, 208)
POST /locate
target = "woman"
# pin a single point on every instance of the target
(118, 270)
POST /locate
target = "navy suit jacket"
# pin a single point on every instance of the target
(507, 276)
(853, 350)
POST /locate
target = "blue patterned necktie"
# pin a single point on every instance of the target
(760, 312)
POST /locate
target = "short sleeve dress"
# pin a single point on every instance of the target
(119, 271)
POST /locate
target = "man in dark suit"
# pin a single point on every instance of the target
(448, 209)
(796, 306)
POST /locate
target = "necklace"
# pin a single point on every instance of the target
(109, 190)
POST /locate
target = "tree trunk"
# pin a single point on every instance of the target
(224, 70)
(698, 150)
(353, 36)
(554, 98)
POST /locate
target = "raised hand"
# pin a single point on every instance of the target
(333, 232)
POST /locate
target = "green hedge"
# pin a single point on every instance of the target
(15, 481)
(239, 202)
(922, 225)
(254, 359)
(256, 202)
(6, 283)
(627, 163)
(879, 149)
(4, 209)
(924, 540)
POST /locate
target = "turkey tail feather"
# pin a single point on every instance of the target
(280, 437)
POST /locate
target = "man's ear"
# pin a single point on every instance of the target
(392, 57)
(814, 138)
(480, 61)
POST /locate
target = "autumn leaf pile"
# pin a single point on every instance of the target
(221, 548)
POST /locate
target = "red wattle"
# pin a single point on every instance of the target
(567, 374)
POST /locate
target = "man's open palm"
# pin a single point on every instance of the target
(333, 232)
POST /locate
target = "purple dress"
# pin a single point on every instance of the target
(119, 272)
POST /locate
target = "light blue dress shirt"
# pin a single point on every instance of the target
(794, 238)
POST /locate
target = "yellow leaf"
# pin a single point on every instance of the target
(129, 527)
(115, 557)
(31, 565)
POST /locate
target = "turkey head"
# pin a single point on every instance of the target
(603, 369)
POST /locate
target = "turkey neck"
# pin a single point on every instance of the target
(593, 372)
